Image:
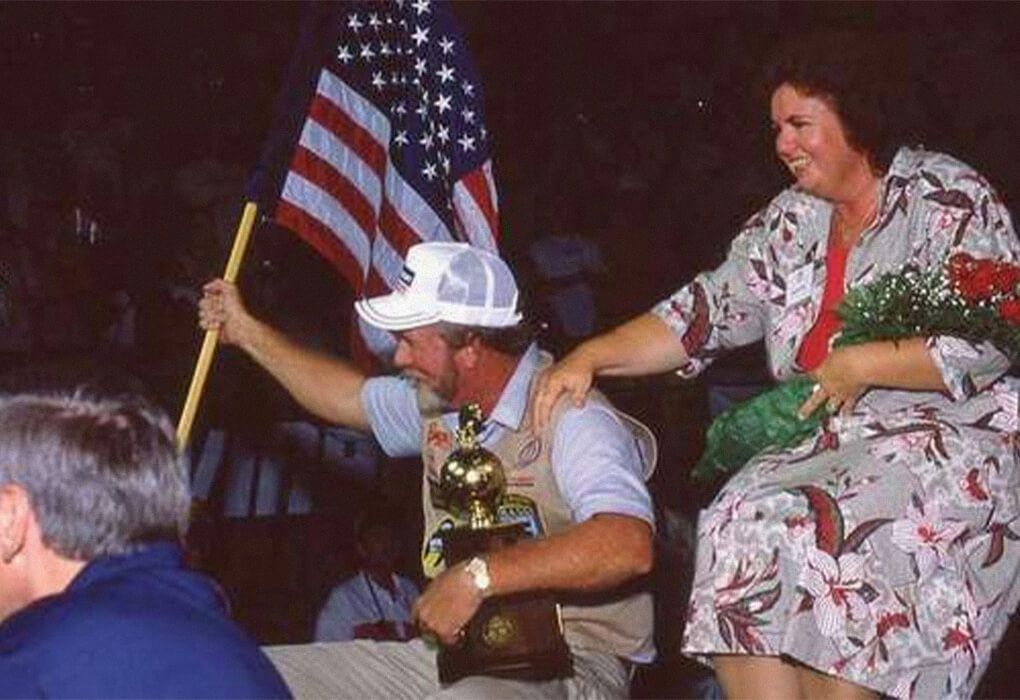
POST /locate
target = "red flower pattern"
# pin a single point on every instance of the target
(1010, 310)
(1006, 278)
(978, 280)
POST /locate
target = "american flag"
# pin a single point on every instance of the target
(388, 147)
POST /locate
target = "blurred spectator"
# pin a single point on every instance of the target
(374, 603)
(19, 290)
(95, 145)
(211, 188)
(566, 265)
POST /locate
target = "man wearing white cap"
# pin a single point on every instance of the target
(578, 484)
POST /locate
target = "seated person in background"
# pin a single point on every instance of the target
(578, 484)
(94, 598)
(374, 603)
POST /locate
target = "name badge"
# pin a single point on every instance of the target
(799, 284)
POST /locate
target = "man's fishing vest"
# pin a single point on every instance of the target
(618, 621)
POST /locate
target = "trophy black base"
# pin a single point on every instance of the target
(517, 636)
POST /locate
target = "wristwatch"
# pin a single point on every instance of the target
(479, 572)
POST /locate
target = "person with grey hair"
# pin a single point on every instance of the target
(578, 485)
(94, 597)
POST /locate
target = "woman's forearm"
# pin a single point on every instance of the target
(643, 345)
(903, 364)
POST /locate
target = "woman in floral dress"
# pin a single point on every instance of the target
(881, 555)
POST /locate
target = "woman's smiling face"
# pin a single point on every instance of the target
(811, 142)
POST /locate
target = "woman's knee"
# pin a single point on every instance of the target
(814, 684)
(765, 677)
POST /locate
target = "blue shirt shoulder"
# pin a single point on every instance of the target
(139, 625)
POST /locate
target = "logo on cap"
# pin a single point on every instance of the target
(406, 277)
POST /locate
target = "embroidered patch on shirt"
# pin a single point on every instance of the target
(438, 438)
(528, 452)
(516, 508)
(432, 559)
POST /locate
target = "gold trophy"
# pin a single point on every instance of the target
(513, 636)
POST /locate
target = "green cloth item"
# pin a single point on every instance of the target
(767, 420)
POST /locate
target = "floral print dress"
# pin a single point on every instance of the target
(885, 549)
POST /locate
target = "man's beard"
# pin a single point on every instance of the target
(417, 381)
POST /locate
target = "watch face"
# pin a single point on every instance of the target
(479, 573)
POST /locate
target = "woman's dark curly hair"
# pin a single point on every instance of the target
(860, 78)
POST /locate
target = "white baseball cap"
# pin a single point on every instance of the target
(443, 281)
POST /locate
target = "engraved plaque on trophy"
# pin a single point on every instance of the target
(514, 636)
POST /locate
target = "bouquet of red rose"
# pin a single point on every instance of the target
(972, 299)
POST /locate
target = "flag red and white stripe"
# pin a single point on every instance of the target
(360, 193)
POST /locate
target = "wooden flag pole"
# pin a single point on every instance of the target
(205, 355)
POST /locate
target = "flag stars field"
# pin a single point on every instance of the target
(393, 150)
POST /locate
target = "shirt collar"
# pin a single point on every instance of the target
(154, 555)
(509, 409)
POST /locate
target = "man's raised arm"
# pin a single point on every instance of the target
(324, 385)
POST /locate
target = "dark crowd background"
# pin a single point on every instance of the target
(127, 132)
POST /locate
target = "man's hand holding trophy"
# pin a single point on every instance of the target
(518, 635)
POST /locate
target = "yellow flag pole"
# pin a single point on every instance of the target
(205, 355)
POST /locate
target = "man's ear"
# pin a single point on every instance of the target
(467, 355)
(15, 516)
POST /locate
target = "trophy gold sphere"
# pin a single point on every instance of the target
(471, 480)
(472, 484)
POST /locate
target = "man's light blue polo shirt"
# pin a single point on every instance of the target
(595, 459)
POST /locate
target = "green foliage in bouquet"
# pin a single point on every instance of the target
(976, 300)
(971, 299)
(767, 420)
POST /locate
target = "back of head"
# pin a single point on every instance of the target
(102, 472)
(861, 77)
